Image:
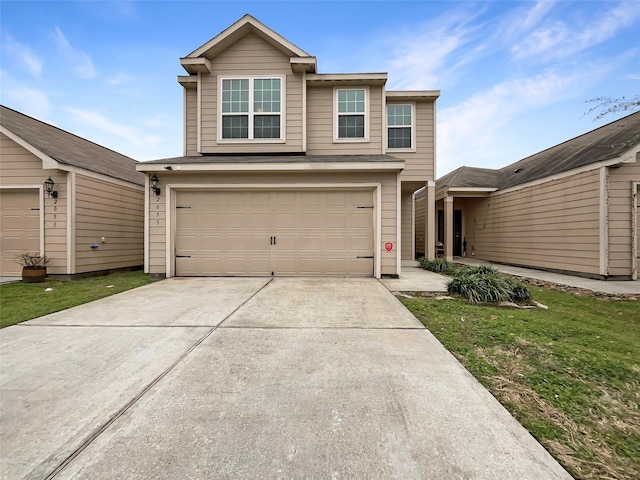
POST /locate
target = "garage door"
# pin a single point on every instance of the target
(19, 227)
(274, 233)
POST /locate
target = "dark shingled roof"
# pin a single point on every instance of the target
(226, 159)
(69, 149)
(599, 145)
(470, 177)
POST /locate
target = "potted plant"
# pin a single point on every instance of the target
(34, 267)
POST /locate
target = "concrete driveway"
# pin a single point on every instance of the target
(210, 378)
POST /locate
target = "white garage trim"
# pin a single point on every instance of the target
(171, 189)
(272, 167)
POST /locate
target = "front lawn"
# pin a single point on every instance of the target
(570, 374)
(24, 301)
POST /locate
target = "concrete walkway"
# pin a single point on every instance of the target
(603, 286)
(210, 378)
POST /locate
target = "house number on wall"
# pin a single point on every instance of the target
(55, 209)
(157, 209)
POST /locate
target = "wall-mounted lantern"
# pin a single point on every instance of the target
(154, 185)
(48, 188)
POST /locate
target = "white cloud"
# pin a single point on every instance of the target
(426, 54)
(560, 39)
(474, 130)
(108, 132)
(119, 78)
(535, 15)
(24, 54)
(81, 62)
(26, 100)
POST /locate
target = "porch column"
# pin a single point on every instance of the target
(430, 220)
(448, 228)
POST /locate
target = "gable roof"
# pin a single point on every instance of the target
(605, 143)
(247, 24)
(69, 149)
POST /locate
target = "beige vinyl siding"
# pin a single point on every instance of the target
(191, 122)
(115, 213)
(18, 166)
(420, 165)
(420, 213)
(320, 124)
(406, 239)
(554, 225)
(620, 210)
(251, 55)
(157, 228)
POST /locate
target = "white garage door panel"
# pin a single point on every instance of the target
(19, 227)
(313, 232)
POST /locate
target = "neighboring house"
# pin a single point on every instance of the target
(287, 171)
(572, 208)
(93, 221)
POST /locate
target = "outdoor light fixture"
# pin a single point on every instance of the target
(154, 185)
(48, 188)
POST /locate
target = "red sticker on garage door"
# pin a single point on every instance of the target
(388, 246)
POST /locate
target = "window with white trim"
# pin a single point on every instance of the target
(251, 108)
(351, 108)
(399, 126)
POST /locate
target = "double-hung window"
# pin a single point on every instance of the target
(251, 108)
(399, 126)
(351, 110)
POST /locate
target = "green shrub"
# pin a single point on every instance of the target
(438, 265)
(484, 284)
(519, 291)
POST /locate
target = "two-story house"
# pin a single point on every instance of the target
(287, 171)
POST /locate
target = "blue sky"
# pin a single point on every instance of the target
(513, 75)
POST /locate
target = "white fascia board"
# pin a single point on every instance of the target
(47, 161)
(270, 167)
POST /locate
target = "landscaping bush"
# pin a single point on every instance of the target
(519, 291)
(438, 265)
(484, 284)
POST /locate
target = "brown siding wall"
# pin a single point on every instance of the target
(158, 214)
(420, 209)
(251, 56)
(620, 222)
(554, 225)
(115, 212)
(406, 208)
(320, 124)
(420, 165)
(19, 167)
(191, 122)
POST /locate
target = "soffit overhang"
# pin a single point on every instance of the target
(346, 79)
(412, 95)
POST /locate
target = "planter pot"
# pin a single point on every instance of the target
(34, 274)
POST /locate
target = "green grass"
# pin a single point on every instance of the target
(570, 374)
(24, 301)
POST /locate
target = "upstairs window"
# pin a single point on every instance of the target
(251, 108)
(399, 126)
(351, 108)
